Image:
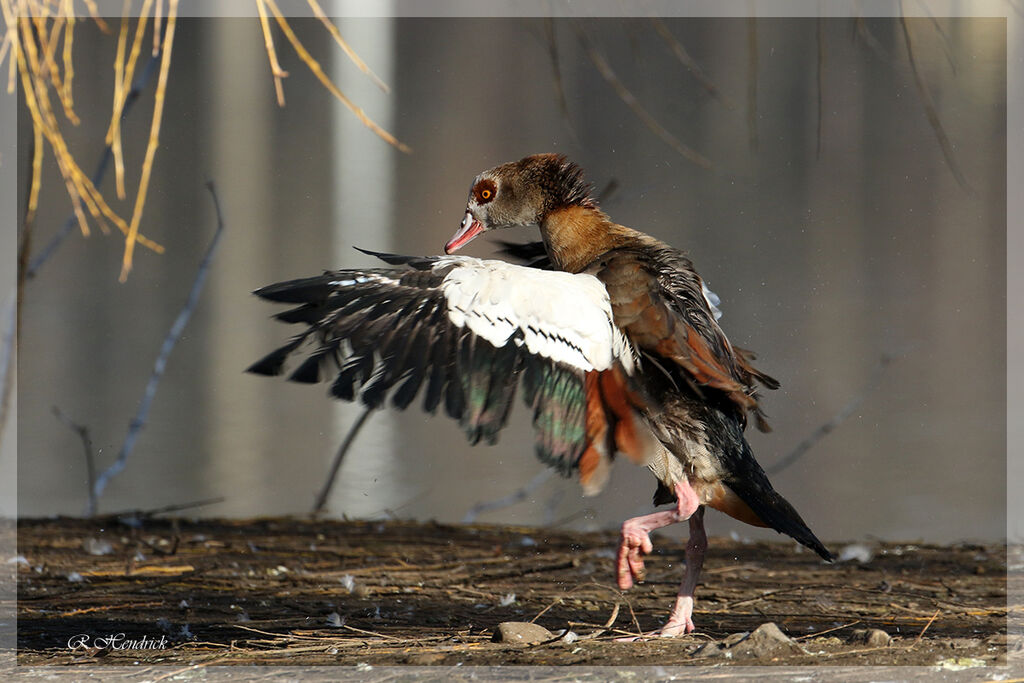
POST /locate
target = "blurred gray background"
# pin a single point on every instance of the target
(827, 258)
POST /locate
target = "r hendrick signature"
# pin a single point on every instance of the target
(116, 641)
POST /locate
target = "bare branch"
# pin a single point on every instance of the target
(516, 496)
(821, 81)
(626, 96)
(135, 517)
(321, 499)
(932, 113)
(7, 359)
(161, 362)
(90, 460)
(690, 63)
(947, 43)
(752, 81)
(846, 411)
(862, 31)
(552, 39)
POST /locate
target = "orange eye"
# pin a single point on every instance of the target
(484, 191)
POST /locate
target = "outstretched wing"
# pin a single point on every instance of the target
(466, 333)
(668, 312)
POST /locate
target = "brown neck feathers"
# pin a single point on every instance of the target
(576, 235)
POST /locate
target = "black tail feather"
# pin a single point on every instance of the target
(757, 492)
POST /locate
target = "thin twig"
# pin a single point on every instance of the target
(556, 70)
(115, 140)
(177, 507)
(90, 460)
(349, 52)
(95, 15)
(690, 63)
(81, 191)
(25, 234)
(165, 350)
(97, 176)
(123, 74)
(862, 31)
(752, 81)
(828, 630)
(7, 360)
(541, 613)
(630, 100)
(836, 420)
(321, 499)
(517, 496)
(947, 44)
(154, 140)
(268, 41)
(604, 629)
(921, 634)
(318, 71)
(369, 633)
(820, 83)
(932, 112)
(69, 66)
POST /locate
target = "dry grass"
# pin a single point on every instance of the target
(293, 591)
(38, 45)
(34, 31)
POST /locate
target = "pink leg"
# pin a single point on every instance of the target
(636, 541)
(681, 619)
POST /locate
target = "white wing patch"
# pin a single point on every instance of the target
(562, 316)
(363, 279)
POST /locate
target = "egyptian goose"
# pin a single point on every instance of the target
(612, 336)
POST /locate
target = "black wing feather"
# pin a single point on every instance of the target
(388, 333)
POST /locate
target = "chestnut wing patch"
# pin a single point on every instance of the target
(665, 310)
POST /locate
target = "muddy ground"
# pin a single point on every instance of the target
(299, 592)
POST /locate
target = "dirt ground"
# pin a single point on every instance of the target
(298, 592)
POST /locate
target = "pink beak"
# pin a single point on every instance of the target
(469, 229)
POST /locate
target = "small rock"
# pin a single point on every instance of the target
(964, 643)
(766, 640)
(856, 551)
(960, 663)
(521, 633)
(734, 638)
(97, 546)
(710, 650)
(872, 637)
(568, 637)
